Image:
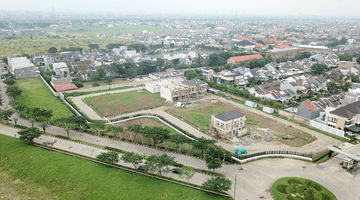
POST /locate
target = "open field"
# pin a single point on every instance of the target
(36, 94)
(284, 187)
(68, 177)
(93, 30)
(200, 117)
(39, 45)
(102, 82)
(112, 105)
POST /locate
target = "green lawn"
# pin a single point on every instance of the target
(200, 117)
(68, 177)
(284, 187)
(126, 102)
(37, 94)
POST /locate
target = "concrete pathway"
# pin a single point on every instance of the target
(87, 110)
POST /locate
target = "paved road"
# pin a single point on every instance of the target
(252, 182)
(90, 151)
(87, 110)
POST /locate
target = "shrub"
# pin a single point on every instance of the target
(95, 84)
(317, 187)
(78, 84)
(281, 188)
(290, 198)
(291, 181)
(325, 197)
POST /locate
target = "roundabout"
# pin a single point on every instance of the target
(294, 188)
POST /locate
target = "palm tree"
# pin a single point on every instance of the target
(44, 125)
(15, 120)
(67, 129)
(32, 121)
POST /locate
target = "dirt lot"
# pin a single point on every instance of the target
(113, 105)
(200, 114)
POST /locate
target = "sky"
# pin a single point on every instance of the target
(328, 8)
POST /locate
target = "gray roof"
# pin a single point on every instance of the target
(229, 115)
(348, 111)
(193, 82)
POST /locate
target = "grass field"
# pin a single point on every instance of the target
(67, 177)
(102, 82)
(200, 116)
(93, 30)
(37, 94)
(120, 103)
(283, 188)
(39, 45)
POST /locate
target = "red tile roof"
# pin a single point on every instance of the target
(243, 38)
(246, 58)
(65, 87)
(309, 105)
(281, 46)
(226, 41)
(258, 44)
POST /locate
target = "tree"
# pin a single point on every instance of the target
(202, 143)
(13, 91)
(63, 49)
(67, 129)
(52, 50)
(218, 184)
(15, 120)
(321, 91)
(176, 61)
(109, 79)
(156, 133)
(132, 157)
(29, 134)
(187, 172)
(82, 67)
(178, 139)
(10, 81)
(115, 129)
(44, 125)
(32, 121)
(95, 77)
(213, 156)
(345, 57)
(1, 100)
(252, 81)
(332, 86)
(6, 113)
(108, 157)
(94, 46)
(319, 69)
(311, 194)
(159, 163)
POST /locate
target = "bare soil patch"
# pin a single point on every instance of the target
(200, 114)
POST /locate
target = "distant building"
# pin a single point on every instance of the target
(314, 48)
(308, 110)
(61, 70)
(283, 53)
(227, 124)
(238, 59)
(22, 67)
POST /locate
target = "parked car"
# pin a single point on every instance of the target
(176, 170)
(141, 167)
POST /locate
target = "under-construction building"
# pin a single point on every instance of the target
(176, 89)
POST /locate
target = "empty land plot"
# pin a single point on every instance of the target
(112, 105)
(146, 122)
(200, 117)
(102, 82)
(93, 30)
(68, 177)
(36, 94)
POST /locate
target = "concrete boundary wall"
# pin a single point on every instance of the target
(62, 98)
(328, 129)
(51, 89)
(271, 155)
(145, 115)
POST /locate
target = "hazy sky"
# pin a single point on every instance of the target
(221, 7)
